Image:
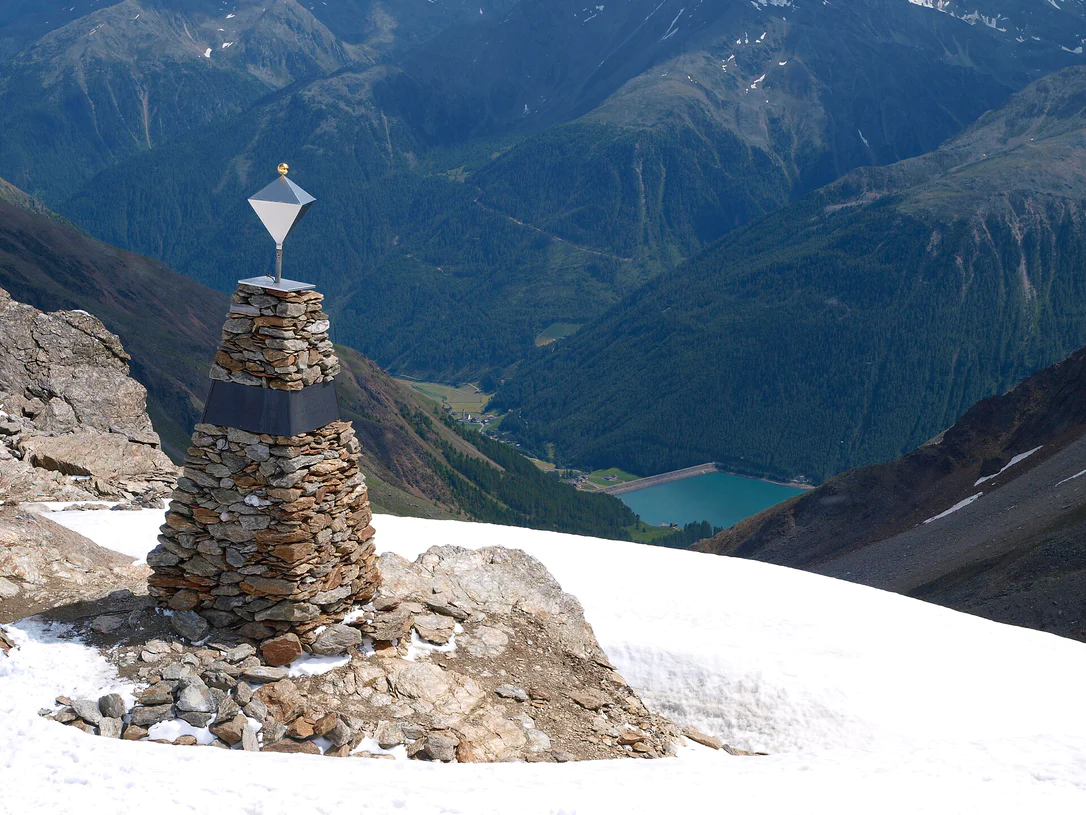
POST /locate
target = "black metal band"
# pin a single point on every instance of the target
(267, 410)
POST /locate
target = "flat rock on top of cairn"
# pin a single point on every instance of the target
(269, 533)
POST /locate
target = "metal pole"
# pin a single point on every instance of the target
(278, 264)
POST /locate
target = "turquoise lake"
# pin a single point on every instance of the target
(719, 498)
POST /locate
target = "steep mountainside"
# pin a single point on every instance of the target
(415, 463)
(380, 27)
(538, 165)
(386, 28)
(989, 518)
(24, 21)
(136, 74)
(851, 325)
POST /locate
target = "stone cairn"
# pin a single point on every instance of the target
(269, 534)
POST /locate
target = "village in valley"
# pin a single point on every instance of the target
(468, 404)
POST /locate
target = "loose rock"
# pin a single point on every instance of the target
(281, 650)
(190, 625)
(290, 746)
(512, 692)
(694, 734)
(112, 706)
(151, 715)
(231, 731)
(87, 710)
(262, 673)
(335, 640)
(249, 741)
(435, 627)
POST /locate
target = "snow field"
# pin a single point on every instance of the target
(867, 701)
(131, 532)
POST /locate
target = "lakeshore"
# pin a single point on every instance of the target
(693, 472)
(704, 493)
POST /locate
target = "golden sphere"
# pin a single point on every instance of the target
(284, 168)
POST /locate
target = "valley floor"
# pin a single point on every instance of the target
(867, 702)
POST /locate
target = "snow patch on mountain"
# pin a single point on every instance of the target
(960, 505)
(864, 698)
(1014, 460)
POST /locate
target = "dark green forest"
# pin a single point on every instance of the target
(803, 353)
(519, 494)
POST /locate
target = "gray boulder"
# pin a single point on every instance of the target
(190, 625)
(112, 706)
(335, 640)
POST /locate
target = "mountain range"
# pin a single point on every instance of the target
(487, 175)
(488, 172)
(849, 326)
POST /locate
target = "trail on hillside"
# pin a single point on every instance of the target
(550, 235)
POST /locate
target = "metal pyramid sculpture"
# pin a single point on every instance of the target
(280, 207)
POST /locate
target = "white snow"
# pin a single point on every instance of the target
(130, 532)
(179, 727)
(1007, 466)
(671, 29)
(310, 665)
(207, 53)
(867, 702)
(419, 647)
(865, 144)
(1079, 474)
(963, 503)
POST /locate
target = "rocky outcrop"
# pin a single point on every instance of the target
(269, 533)
(43, 566)
(466, 656)
(73, 422)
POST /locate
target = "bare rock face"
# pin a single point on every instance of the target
(73, 422)
(105, 456)
(43, 565)
(455, 582)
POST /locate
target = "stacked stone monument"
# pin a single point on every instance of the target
(269, 528)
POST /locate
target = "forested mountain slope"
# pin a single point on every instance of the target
(415, 463)
(130, 76)
(988, 518)
(849, 326)
(539, 163)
